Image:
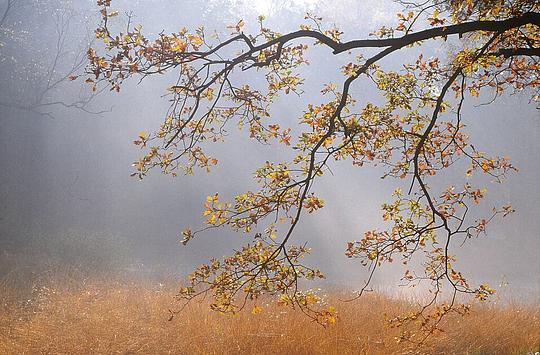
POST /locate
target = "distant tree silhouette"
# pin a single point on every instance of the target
(37, 73)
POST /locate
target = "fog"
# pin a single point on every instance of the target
(65, 185)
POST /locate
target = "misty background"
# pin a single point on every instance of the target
(67, 198)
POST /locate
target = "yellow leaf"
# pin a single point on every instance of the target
(213, 219)
(311, 298)
(195, 40)
(256, 310)
(210, 93)
(178, 45)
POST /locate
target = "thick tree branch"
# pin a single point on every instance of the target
(511, 52)
(493, 26)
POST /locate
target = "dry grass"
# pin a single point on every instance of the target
(128, 318)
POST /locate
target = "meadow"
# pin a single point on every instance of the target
(104, 315)
(74, 295)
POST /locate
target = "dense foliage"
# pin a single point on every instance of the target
(416, 133)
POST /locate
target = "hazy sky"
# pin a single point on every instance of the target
(69, 175)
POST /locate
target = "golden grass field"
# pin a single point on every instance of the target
(104, 316)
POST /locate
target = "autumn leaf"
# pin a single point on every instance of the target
(195, 41)
(256, 310)
(178, 45)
